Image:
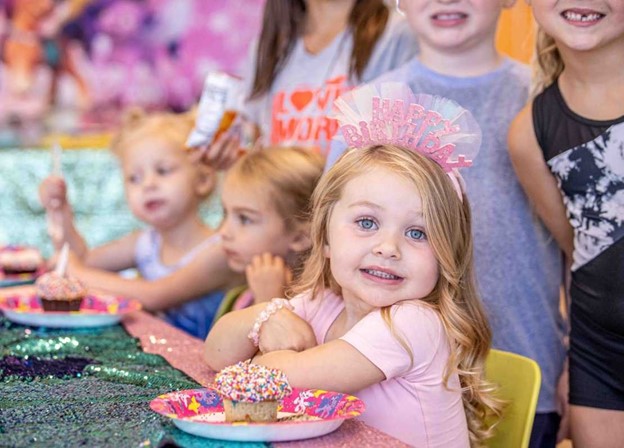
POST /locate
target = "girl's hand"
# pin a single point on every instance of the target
(53, 193)
(285, 330)
(563, 406)
(267, 277)
(221, 154)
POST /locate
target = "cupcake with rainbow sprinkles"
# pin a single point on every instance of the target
(251, 392)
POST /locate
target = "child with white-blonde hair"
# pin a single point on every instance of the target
(387, 307)
(183, 269)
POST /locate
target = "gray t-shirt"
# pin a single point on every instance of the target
(296, 109)
(518, 264)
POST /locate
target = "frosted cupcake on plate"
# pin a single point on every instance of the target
(251, 392)
(60, 293)
(20, 260)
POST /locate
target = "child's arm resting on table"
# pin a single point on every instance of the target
(336, 366)
(207, 272)
(227, 343)
(370, 352)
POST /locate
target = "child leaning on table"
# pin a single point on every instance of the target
(387, 307)
(184, 271)
(266, 230)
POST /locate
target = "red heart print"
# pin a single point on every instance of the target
(301, 98)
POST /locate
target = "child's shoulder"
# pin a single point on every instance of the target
(518, 70)
(411, 324)
(411, 310)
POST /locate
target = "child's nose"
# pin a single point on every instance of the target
(387, 247)
(224, 229)
(149, 180)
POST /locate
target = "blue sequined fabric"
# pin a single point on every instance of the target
(86, 387)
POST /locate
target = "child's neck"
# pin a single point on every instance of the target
(353, 312)
(462, 63)
(592, 82)
(320, 32)
(185, 235)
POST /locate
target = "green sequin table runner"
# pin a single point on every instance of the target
(88, 387)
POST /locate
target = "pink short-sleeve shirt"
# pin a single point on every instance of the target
(412, 404)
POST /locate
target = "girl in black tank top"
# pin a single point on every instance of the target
(578, 162)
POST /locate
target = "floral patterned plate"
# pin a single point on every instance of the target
(97, 310)
(304, 414)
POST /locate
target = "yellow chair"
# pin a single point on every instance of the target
(519, 379)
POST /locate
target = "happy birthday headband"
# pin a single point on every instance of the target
(390, 113)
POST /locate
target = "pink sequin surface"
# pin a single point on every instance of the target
(185, 353)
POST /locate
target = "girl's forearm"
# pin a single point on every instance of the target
(227, 343)
(71, 236)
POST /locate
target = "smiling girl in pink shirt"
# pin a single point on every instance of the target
(387, 307)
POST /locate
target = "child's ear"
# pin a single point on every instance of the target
(206, 180)
(301, 240)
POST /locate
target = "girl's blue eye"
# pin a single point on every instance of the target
(366, 223)
(132, 179)
(416, 234)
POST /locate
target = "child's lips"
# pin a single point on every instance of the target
(582, 17)
(381, 274)
(229, 253)
(449, 18)
(154, 204)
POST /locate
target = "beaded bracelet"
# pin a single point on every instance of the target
(272, 307)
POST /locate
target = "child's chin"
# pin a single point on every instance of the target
(237, 266)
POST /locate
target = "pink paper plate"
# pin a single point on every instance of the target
(7, 280)
(96, 310)
(19, 279)
(200, 412)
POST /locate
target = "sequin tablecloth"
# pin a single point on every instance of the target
(92, 387)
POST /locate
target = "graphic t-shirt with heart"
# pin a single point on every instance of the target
(296, 109)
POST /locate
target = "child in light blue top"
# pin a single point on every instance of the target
(518, 264)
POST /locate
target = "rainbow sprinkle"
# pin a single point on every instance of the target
(251, 383)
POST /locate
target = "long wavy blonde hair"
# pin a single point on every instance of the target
(454, 297)
(547, 62)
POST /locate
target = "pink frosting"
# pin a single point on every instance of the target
(56, 287)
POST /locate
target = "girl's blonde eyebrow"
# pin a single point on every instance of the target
(246, 210)
(376, 206)
(365, 204)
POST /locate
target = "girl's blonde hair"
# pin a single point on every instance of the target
(288, 176)
(137, 124)
(174, 128)
(454, 297)
(547, 62)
